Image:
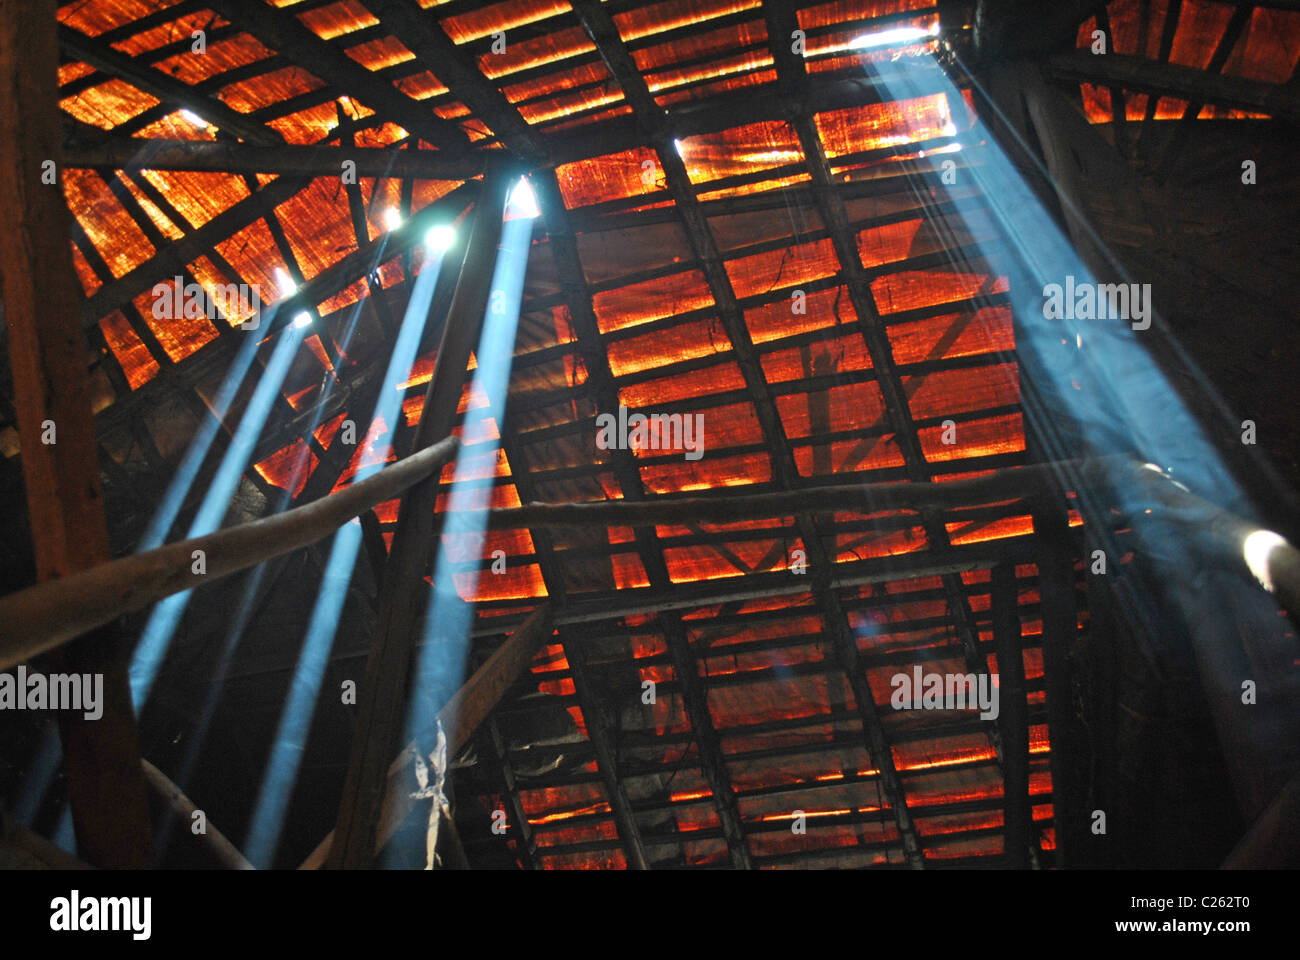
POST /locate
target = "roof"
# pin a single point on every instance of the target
(729, 230)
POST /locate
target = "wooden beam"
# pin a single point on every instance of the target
(494, 745)
(168, 89)
(225, 851)
(43, 617)
(1013, 717)
(172, 258)
(1273, 841)
(24, 849)
(382, 706)
(731, 110)
(130, 153)
(1012, 484)
(213, 358)
(47, 356)
(651, 118)
(424, 36)
(1017, 28)
(462, 715)
(1172, 80)
(280, 30)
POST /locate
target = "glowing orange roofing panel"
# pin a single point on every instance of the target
(727, 84)
(745, 149)
(709, 44)
(822, 308)
(318, 225)
(684, 341)
(97, 18)
(132, 355)
(108, 105)
(943, 392)
(380, 53)
(887, 243)
(829, 14)
(337, 19)
(672, 14)
(913, 289)
(580, 75)
(611, 177)
(977, 438)
(718, 378)
(877, 125)
(651, 300)
(1270, 50)
(731, 471)
(837, 355)
(501, 17)
(987, 330)
(1200, 27)
(534, 52)
(783, 267)
(982, 531)
(110, 228)
(724, 67)
(854, 406)
(565, 105)
(221, 56)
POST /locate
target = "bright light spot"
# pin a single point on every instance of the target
(891, 38)
(441, 237)
(1078, 341)
(681, 148)
(392, 219)
(302, 320)
(522, 202)
(285, 282)
(194, 118)
(1256, 549)
(770, 156)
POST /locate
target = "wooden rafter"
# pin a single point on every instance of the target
(280, 30)
(168, 89)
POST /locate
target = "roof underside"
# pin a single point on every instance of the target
(663, 277)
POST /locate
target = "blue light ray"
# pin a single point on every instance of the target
(162, 623)
(442, 658)
(295, 719)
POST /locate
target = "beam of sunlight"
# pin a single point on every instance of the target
(1093, 387)
(1099, 371)
(441, 659)
(295, 718)
(166, 615)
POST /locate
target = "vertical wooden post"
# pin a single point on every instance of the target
(47, 352)
(1060, 628)
(382, 703)
(1013, 716)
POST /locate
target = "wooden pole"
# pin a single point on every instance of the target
(1004, 485)
(1013, 717)
(1273, 841)
(460, 718)
(215, 840)
(48, 357)
(41, 618)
